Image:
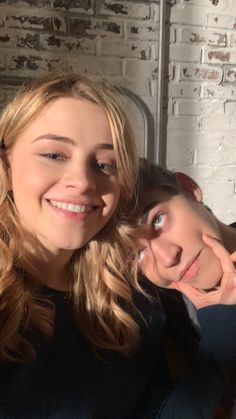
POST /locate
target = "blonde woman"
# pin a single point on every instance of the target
(68, 160)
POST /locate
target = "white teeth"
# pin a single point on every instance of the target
(72, 207)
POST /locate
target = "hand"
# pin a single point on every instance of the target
(226, 293)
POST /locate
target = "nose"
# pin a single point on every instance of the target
(81, 177)
(167, 253)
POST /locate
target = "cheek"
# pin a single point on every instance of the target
(111, 199)
(149, 268)
(210, 272)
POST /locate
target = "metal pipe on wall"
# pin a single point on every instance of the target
(158, 143)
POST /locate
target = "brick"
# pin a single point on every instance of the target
(2, 62)
(28, 3)
(2, 21)
(221, 21)
(228, 139)
(226, 173)
(232, 39)
(78, 6)
(191, 15)
(230, 108)
(224, 123)
(185, 89)
(195, 139)
(211, 192)
(125, 9)
(219, 56)
(95, 27)
(139, 86)
(191, 107)
(172, 35)
(133, 67)
(200, 73)
(230, 74)
(209, 91)
(182, 122)
(155, 12)
(209, 156)
(125, 49)
(179, 154)
(199, 173)
(33, 65)
(147, 31)
(33, 20)
(68, 44)
(187, 54)
(18, 38)
(219, 4)
(197, 35)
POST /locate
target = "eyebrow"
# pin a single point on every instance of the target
(147, 209)
(150, 206)
(68, 140)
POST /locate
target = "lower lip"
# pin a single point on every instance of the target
(192, 270)
(76, 216)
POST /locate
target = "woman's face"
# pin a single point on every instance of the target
(174, 249)
(63, 174)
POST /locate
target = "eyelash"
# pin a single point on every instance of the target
(106, 168)
(54, 156)
(156, 217)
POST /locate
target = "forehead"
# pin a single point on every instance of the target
(155, 196)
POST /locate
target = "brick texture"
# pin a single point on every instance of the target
(201, 128)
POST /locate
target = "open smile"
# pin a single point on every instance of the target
(72, 207)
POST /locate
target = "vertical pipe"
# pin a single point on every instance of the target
(158, 146)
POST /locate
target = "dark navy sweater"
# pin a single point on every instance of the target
(70, 380)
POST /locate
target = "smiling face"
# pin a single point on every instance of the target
(174, 249)
(63, 174)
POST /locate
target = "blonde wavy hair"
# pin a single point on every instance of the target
(102, 281)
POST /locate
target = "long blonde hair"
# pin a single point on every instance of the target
(101, 280)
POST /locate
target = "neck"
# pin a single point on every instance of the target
(53, 276)
(51, 269)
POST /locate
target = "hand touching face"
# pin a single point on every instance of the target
(173, 250)
(225, 293)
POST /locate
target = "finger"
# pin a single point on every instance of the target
(220, 251)
(194, 295)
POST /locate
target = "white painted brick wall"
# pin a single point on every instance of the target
(119, 40)
(201, 137)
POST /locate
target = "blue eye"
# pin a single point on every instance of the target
(158, 221)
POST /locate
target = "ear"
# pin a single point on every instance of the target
(189, 185)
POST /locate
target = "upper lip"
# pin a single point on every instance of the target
(182, 273)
